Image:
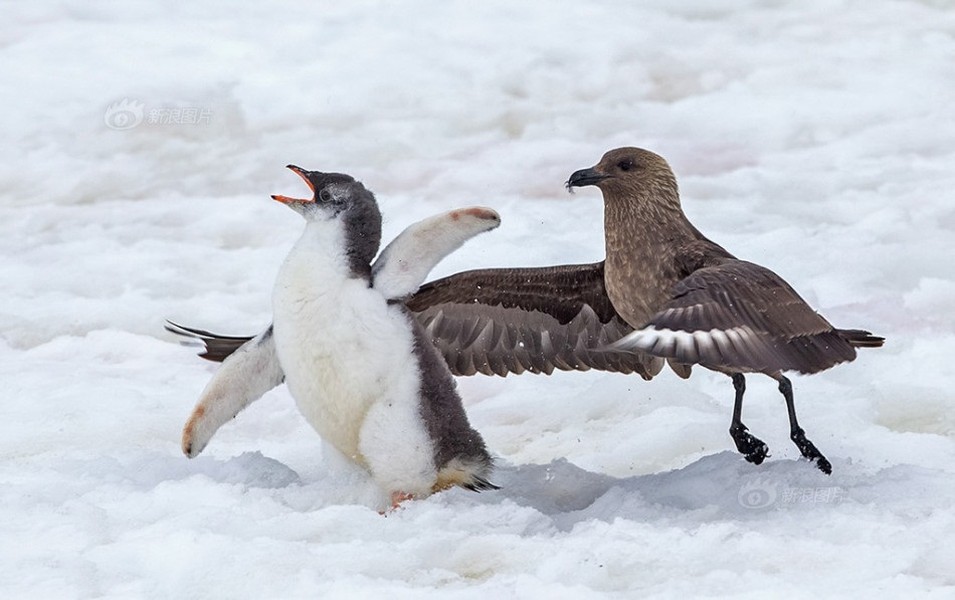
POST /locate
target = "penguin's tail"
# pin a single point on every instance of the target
(470, 473)
(479, 484)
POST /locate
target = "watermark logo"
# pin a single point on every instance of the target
(762, 493)
(124, 114)
(128, 113)
(756, 494)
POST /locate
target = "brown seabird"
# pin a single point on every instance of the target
(692, 302)
(664, 293)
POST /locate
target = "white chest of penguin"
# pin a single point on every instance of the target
(342, 347)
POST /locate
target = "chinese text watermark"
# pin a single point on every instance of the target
(763, 493)
(128, 113)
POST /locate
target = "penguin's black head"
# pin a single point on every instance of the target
(332, 193)
(336, 196)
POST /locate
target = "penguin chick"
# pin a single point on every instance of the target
(361, 369)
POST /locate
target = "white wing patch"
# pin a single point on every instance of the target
(403, 265)
(685, 345)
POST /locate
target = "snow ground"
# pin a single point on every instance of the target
(814, 137)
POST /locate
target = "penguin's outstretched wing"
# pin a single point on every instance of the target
(243, 378)
(402, 266)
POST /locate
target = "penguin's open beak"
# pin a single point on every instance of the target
(304, 175)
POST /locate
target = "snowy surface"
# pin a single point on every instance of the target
(814, 137)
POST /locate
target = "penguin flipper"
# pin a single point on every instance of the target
(242, 379)
(402, 266)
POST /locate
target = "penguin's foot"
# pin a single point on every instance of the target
(398, 497)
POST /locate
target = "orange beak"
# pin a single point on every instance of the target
(304, 175)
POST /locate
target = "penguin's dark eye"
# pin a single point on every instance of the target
(325, 196)
(625, 165)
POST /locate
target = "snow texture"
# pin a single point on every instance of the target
(142, 141)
